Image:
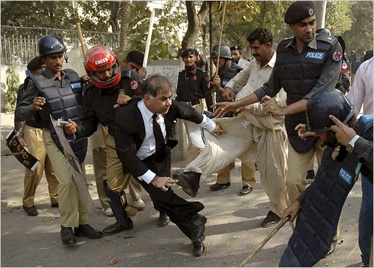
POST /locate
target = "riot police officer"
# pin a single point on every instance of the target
(227, 69)
(58, 93)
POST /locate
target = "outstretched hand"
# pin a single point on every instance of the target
(217, 131)
(222, 108)
(163, 183)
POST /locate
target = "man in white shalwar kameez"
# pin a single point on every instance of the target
(252, 136)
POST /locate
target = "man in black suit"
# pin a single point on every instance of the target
(147, 156)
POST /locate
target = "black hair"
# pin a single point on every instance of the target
(135, 57)
(263, 35)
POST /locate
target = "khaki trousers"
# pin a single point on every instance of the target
(35, 145)
(248, 174)
(99, 168)
(73, 211)
(116, 179)
(250, 142)
(298, 165)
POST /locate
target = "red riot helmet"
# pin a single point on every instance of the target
(100, 58)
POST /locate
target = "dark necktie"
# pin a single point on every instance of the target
(159, 138)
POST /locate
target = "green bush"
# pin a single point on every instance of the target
(12, 81)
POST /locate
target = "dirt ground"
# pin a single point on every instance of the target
(233, 229)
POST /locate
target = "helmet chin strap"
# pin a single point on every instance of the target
(66, 57)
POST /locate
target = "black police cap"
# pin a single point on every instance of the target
(34, 64)
(298, 11)
(235, 48)
(189, 51)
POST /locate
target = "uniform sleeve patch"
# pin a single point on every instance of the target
(337, 56)
(134, 85)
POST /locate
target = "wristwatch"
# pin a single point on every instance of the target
(351, 144)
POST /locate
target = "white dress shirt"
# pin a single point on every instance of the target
(361, 93)
(148, 146)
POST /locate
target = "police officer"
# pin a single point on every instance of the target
(110, 86)
(331, 117)
(237, 56)
(58, 93)
(31, 138)
(227, 69)
(192, 88)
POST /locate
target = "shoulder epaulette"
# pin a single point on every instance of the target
(328, 39)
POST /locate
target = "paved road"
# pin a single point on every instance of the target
(232, 232)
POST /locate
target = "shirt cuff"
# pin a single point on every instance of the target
(147, 177)
(208, 124)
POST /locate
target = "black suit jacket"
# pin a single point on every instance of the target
(130, 131)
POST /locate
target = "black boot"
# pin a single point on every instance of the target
(198, 247)
(87, 231)
(67, 236)
(189, 181)
(123, 221)
(163, 220)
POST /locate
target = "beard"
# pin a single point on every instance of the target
(331, 140)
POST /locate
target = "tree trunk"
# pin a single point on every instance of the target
(124, 17)
(320, 13)
(195, 22)
(113, 21)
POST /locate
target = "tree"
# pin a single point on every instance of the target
(195, 22)
(12, 81)
(320, 13)
(124, 15)
(359, 35)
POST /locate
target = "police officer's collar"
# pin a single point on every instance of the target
(193, 71)
(48, 74)
(311, 44)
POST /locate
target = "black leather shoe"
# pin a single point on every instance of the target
(189, 181)
(218, 186)
(67, 236)
(197, 227)
(270, 220)
(198, 247)
(245, 190)
(31, 211)
(310, 175)
(116, 227)
(87, 231)
(163, 220)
